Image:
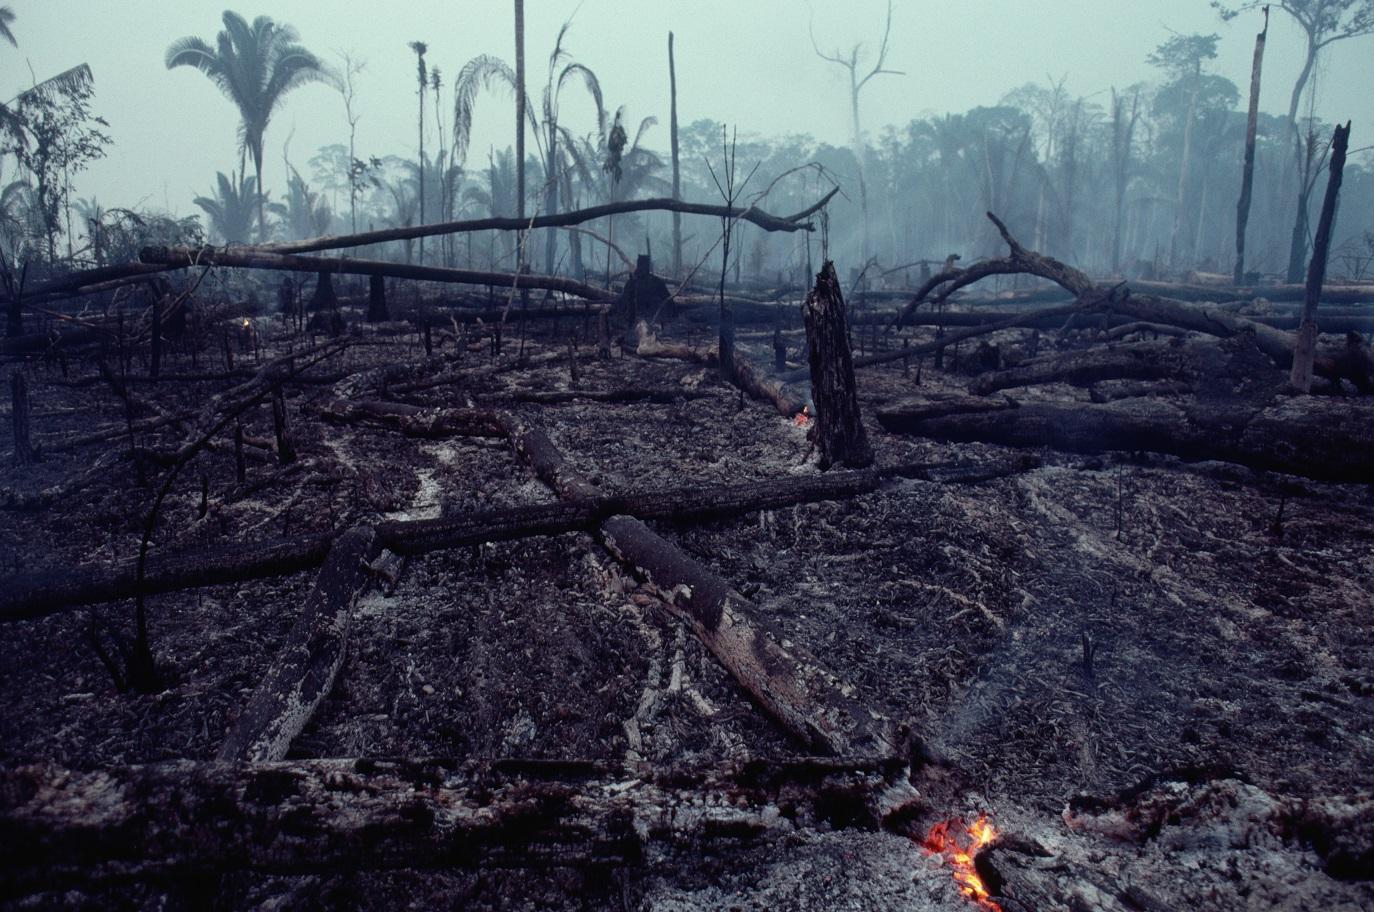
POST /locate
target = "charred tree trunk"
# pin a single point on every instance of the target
(324, 298)
(180, 820)
(286, 451)
(1321, 439)
(303, 672)
(1305, 351)
(155, 365)
(1247, 180)
(839, 429)
(377, 311)
(23, 447)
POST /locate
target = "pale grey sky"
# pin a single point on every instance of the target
(744, 62)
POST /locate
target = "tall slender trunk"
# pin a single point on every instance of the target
(551, 196)
(859, 160)
(1183, 166)
(1297, 240)
(421, 129)
(1297, 248)
(677, 174)
(262, 197)
(1305, 351)
(520, 110)
(1247, 179)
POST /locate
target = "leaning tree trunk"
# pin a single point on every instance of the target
(1247, 180)
(1305, 351)
(839, 429)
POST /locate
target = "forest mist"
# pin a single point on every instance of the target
(1086, 166)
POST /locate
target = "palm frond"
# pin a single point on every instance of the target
(6, 17)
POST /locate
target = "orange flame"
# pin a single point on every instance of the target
(802, 418)
(957, 843)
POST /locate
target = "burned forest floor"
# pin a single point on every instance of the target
(1155, 678)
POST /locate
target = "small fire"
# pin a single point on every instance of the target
(957, 843)
(803, 418)
(247, 322)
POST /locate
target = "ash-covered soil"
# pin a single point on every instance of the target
(1226, 620)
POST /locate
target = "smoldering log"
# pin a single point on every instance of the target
(303, 671)
(1320, 439)
(839, 430)
(68, 829)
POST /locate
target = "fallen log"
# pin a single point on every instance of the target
(255, 258)
(746, 375)
(1321, 439)
(788, 683)
(67, 829)
(1146, 361)
(303, 671)
(36, 594)
(796, 222)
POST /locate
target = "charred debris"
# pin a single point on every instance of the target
(437, 564)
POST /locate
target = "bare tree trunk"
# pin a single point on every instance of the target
(520, 112)
(839, 428)
(1183, 167)
(1305, 350)
(1247, 180)
(677, 174)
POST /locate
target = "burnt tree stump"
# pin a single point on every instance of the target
(286, 451)
(839, 429)
(377, 311)
(23, 447)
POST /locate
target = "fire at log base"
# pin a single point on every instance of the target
(838, 429)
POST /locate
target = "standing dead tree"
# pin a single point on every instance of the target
(852, 64)
(1304, 352)
(1247, 179)
(839, 429)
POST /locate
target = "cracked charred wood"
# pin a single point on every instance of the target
(1321, 439)
(302, 673)
(839, 428)
(19, 394)
(1305, 349)
(1112, 390)
(67, 829)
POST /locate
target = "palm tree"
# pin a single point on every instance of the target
(254, 66)
(231, 208)
(305, 212)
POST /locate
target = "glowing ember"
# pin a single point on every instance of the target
(957, 843)
(247, 322)
(802, 418)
